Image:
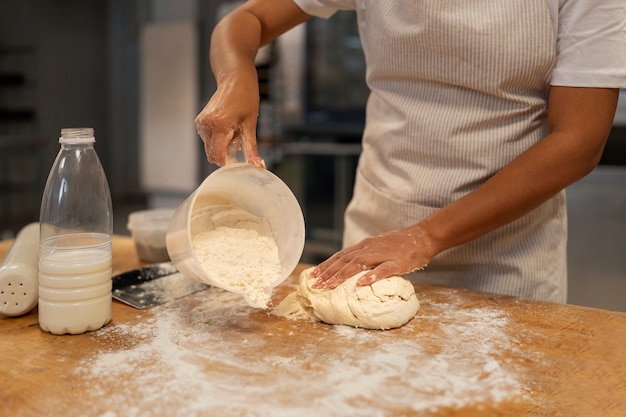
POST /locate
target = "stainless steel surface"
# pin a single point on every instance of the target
(153, 285)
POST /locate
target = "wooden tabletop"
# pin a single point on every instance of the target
(209, 354)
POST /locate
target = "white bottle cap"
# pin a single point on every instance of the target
(77, 135)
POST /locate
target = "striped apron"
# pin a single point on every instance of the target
(459, 89)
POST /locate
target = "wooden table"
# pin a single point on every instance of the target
(209, 354)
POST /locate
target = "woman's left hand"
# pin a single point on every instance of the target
(395, 253)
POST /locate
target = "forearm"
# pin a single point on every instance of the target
(579, 124)
(523, 185)
(233, 50)
(237, 37)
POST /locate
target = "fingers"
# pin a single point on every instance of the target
(330, 280)
(215, 140)
(231, 115)
(367, 279)
(227, 146)
(339, 267)
(394, 253)
(383, 270)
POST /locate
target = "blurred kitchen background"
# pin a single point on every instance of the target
(137, 72)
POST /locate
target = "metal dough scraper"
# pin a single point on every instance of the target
(153, 285)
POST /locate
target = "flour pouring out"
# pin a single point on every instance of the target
(240, 254)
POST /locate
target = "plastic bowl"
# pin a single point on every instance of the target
(148, 229)
(255, 190)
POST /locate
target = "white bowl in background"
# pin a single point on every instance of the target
(148, 229)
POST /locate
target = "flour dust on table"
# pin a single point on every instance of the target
(209, 354)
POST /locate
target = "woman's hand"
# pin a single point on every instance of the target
(227, 124)
(393, 253)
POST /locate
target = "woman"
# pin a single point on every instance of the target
(480, 114)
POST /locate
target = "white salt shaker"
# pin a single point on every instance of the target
(19, 273)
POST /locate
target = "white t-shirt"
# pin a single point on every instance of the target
(591, 38)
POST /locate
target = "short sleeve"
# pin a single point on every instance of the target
(325, 8)
(591, 44)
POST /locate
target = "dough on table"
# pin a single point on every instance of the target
(385, 304)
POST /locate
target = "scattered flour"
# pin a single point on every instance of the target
(241, 258)
(221, 358)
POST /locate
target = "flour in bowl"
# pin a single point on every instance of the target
(240, 255)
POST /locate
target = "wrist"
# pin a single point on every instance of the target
(425, 236)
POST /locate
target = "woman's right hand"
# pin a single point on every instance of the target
(227, 124)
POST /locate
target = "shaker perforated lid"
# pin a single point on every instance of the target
(19, 273)
(18, 289)
(77, 135)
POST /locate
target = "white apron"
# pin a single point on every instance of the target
(459, 89)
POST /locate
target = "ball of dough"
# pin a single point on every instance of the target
(385, 304)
